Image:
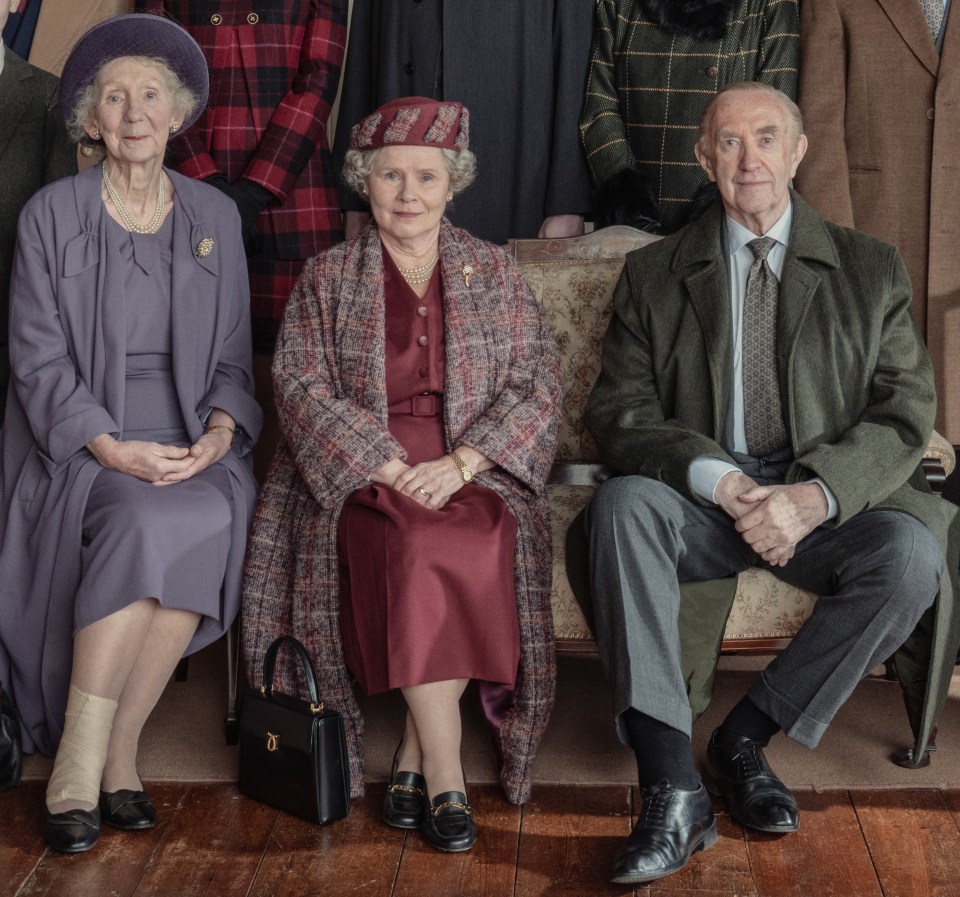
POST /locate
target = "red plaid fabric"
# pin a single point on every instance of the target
(274, 70)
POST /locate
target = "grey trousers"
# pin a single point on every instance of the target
(876, 574)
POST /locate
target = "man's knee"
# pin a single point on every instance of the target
(627, 500)
(910, 553)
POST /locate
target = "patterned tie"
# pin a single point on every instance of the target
(763, 416)
(933, 13)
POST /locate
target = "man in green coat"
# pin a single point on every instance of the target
(765, 399)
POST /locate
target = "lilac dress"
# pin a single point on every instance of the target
(139, 540)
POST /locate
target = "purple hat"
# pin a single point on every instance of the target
(135, 34)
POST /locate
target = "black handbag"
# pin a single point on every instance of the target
(293, 753)
(11, 749)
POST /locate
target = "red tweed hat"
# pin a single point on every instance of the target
(414, 121)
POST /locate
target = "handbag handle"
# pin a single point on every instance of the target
(270, 661)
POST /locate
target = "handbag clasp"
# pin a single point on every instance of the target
(316, 708)
(273, 741)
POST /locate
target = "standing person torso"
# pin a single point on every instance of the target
(519, 66)
(881, 108)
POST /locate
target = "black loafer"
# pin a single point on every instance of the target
(73, 831)
(754, 794)
(129, 811)
(449, 825)
(405, 804)
(672, 827)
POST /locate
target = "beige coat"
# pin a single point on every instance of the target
(62, 23)
(882, 111)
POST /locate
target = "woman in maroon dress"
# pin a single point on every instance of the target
(418, 391)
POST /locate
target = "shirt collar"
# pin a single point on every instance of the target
(737, 236)
(2, 51)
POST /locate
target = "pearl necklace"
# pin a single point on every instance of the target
(153, 225)
(421, 274)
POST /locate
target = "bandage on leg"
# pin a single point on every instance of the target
(75, 782)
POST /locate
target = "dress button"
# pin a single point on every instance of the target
(424, 372)
(422, 311)
(422, 340)
(409, 68)
(253, 18)
(712, 71)
(216, 19)
(930, 114)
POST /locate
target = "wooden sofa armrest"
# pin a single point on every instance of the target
(939, 461)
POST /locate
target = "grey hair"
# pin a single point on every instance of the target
(183, 99)
(790, 109)
(461, 165)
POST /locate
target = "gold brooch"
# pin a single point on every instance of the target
(204, 247)
(467, 274)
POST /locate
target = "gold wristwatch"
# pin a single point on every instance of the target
(465, 472)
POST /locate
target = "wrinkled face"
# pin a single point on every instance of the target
(751, 154)
(134, 111)
(408, 189)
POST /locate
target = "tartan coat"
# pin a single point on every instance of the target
(882, 110)
(268, 111)
(856, 383)
(647, 90)
(502, 397)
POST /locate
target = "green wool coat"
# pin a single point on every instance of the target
(858, 398)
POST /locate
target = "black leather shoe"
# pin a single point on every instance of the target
(73, 831)
(129, 811)
(406, 802)
(672, 827)
(756, 797)
(449, 825)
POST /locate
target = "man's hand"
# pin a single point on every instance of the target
(561, 226)
(779, 518)
(730, 492)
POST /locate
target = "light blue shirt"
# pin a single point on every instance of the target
(705, 472)
(2, 49)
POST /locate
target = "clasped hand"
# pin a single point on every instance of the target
(772, 519)
(430, 483)
(162, 465)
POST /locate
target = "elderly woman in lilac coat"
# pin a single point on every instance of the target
(125, 483)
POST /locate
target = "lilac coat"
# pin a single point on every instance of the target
(67, 340)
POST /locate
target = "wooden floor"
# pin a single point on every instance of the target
(212, 842)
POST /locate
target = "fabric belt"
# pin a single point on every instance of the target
(428, 405)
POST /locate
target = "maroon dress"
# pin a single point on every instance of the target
(425, 595)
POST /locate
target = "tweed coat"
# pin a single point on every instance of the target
(855, 381)
(647, 90)
(68, 333)
(501, 397)
(41, 153)
(882, 111)
(519, 66)
(267, 119)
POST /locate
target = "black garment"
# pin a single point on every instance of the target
(519, 66)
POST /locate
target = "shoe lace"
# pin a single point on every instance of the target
(656, 801)
(750, 759)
